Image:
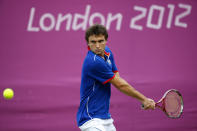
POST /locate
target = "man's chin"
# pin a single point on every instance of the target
(98, 52)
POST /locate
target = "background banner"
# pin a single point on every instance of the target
(42, 47)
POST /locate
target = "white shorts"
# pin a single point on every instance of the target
(97, 124)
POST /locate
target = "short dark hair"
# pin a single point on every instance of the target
(96, 29)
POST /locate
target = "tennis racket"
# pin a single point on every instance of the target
(171, 103)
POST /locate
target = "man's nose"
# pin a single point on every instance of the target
(97, 44)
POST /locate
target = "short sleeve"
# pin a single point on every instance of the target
(101, 72)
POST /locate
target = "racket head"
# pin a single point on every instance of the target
(171, 103)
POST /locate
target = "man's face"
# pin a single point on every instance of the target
(97, 44)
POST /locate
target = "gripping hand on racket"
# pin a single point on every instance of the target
(148, 104)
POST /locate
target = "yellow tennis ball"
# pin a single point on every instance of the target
(8, 93)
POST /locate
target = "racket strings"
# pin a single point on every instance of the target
(173, 104)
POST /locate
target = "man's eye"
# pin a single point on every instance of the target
(100, 41)
(93, 42)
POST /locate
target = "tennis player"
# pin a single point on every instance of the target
(99, 71)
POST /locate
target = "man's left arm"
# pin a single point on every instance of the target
(127, 89)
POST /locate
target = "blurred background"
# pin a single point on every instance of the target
(42, 48)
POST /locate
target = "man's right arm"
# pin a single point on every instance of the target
(127, 89)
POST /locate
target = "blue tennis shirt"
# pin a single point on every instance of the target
(95, 90)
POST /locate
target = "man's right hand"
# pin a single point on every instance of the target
(148, 104)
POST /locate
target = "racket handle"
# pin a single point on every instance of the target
(142, 106)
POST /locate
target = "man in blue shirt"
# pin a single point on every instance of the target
(99, 71)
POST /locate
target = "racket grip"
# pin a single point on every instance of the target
(142, 106)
